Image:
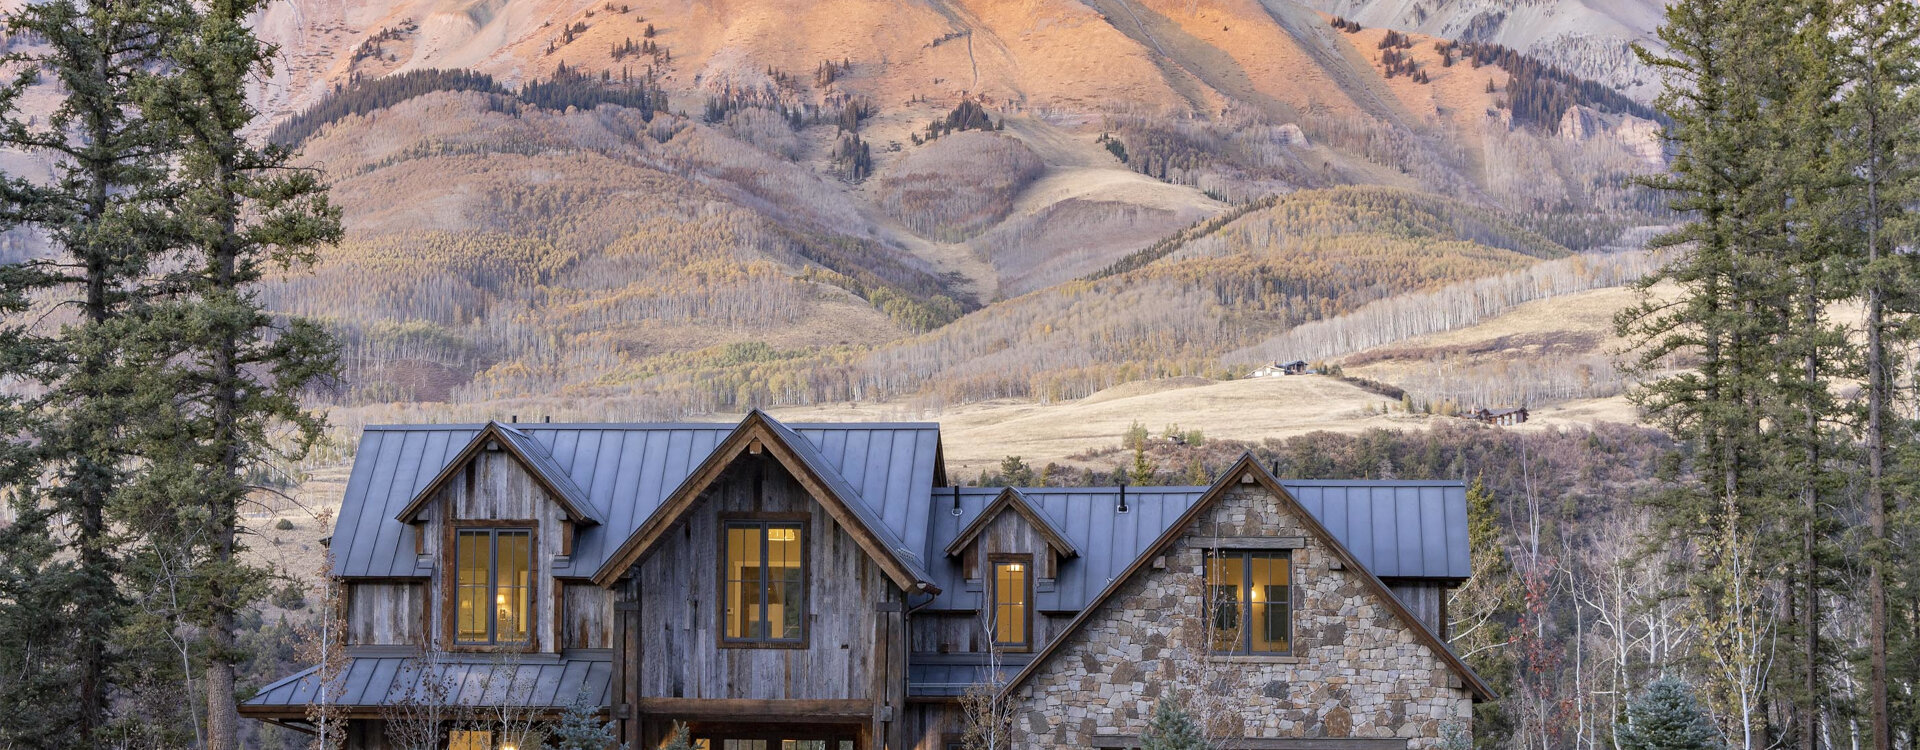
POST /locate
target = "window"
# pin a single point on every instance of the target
(1250, 602)
(474, 739)
(463, 739)
(765, 582)
(1011, 595)
(494, 593)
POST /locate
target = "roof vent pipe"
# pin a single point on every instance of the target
(1275, 471)
(548, 418)
(956, 500)
(1123, 496)
(513, 419)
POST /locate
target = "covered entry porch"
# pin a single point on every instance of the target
(765, 724)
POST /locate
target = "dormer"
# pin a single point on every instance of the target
(1010, 552)
(496, 526)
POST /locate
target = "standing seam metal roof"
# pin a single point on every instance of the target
(470, 681)
(625, 471)
(1399, 529)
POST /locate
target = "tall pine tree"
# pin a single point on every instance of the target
(1877, 52)
(102, 213)
(227, 410)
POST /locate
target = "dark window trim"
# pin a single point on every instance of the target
(493, 527)
(1244, 602)
(994, 561)
(798, 521)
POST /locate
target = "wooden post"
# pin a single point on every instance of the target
(889, 674)
(626, 662)
(880, 666)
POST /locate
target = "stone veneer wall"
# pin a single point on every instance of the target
(1358, 670)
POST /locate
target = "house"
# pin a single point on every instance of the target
(1503, 417)
(1277, 369)
(825, 587)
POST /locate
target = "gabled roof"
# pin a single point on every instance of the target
(531, 454)
(1245, 467)
(625, 471)
(801, 458)
(1012, 499)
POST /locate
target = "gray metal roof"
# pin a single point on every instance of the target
(873, 518)
(1088, 516)
(1398, 529)
(625, 471)
(533, 681)
(543, 462)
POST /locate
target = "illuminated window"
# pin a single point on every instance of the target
(462, 739)
(765, 582)
(1250, 602)
(495, 587)
(1011, 617)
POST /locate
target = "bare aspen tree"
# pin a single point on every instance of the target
(325, 646)
(988, 717)
(506, 702)
(417, 719)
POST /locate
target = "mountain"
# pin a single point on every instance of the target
(689, 206)
(1588, 38)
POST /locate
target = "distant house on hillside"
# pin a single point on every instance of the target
(828, 587)
(1503, 417)
(1277, 369)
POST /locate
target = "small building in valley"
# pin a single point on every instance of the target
(1279, 369)
(827, 587)
(1502, 417)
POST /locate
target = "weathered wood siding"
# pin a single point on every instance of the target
(366, 734)
(494, 486)
(932, 726)
(1426, 600)
(1010, 534)
(964, 633)
(680, 599)
(385, 614)
(587, 612)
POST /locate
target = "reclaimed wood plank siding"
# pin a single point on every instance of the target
(493, 487)
(385, 614)
(1427, 601)
(950, 632)
(587, 612)
(679, 600)
(1007, 534)
(934, 725)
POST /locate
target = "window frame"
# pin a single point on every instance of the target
(450, 572)
(994, 561)
(802, 522)
(1244, 602)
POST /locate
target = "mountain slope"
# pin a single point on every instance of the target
(807, 202)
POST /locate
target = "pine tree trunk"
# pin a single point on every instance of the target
(223, 718)
(93, 479)
(1877, 381)
(1876, 501)
(1810, 503)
